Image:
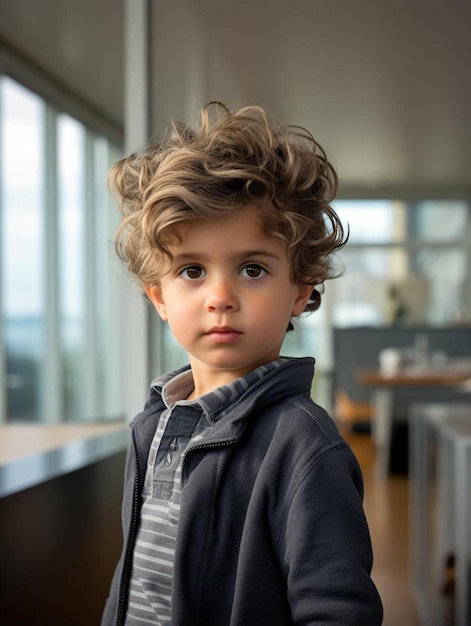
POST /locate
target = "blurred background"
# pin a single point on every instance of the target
(386, 89)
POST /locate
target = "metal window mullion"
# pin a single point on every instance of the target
(156, 356)
(90, 298)
(137, 106)
(52, 383)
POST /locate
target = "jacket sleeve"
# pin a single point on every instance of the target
(325, 544)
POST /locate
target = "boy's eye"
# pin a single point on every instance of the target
(192, 272)
(253, 271)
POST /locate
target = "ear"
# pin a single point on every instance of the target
(299, 304)
(154, 294)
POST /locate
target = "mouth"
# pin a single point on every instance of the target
(223, 334)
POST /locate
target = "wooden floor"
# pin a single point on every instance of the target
(387, 510)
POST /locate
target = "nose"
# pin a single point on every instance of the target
(221, 296)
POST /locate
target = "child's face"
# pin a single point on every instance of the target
(228, 297)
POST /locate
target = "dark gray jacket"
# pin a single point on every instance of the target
(271, 530)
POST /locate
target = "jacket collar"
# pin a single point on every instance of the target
(292, 377)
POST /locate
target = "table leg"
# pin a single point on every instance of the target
(382, 428)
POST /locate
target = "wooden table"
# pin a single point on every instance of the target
(384, 387)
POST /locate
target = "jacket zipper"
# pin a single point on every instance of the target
(203, 446)
(124, 588)
(134, 524)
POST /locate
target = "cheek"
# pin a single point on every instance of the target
(271, 313)
(180, 328)
(180, 314)
(177, 313)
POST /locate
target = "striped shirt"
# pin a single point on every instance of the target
(180, 423)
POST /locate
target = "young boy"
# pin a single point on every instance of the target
(243, 504)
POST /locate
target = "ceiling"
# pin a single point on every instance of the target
(384, 86)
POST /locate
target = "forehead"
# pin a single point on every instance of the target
(242, 225)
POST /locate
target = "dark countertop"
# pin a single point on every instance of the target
(34, 453)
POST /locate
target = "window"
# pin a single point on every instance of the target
(22, 230)
(72, 262)
(405, 263)
(60, 325)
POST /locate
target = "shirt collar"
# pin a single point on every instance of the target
(215, 403)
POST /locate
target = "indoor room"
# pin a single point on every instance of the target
(386, 91)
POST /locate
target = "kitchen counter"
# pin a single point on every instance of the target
(34, 453)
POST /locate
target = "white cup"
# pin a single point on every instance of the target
(389, 361)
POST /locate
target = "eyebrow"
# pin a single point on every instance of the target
(197, 256)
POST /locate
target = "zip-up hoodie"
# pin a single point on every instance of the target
(272, 530)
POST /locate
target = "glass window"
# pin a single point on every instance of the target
(22, 253)
(410, 268)
(372, 221)
(61, 329)
(439, 221)
(107, 278)
(71, 183)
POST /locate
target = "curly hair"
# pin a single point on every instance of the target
(211, 171)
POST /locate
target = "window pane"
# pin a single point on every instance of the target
(60, 329)
(22, 261)
(406, 262)
(372, 221)
(439, 221)
(108, 322)
(71, 145)
(100, 226)
(361, 295)
(446, 273)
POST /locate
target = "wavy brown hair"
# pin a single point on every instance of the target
(211, 171)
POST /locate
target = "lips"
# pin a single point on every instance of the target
(223, 334)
